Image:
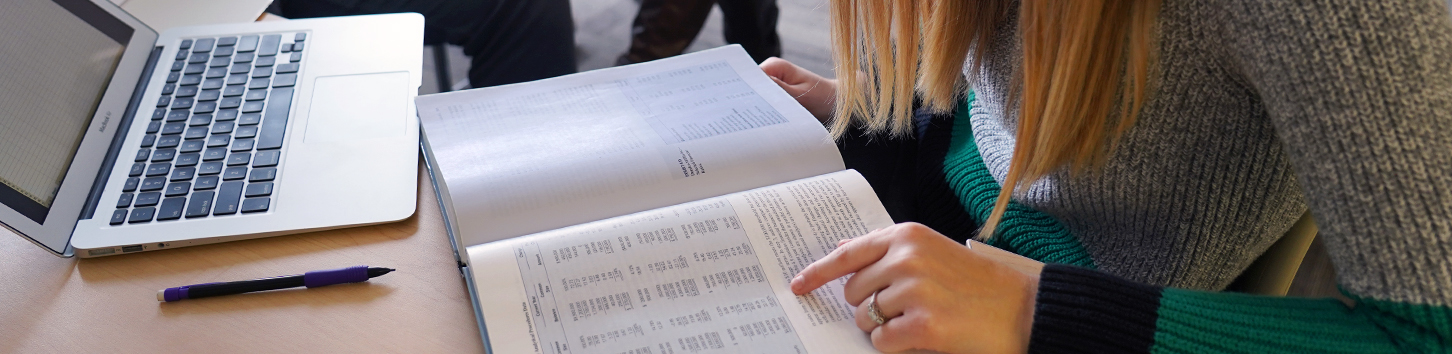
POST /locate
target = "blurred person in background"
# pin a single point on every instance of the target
(664, 28)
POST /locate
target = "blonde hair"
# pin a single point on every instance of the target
(1083, 61)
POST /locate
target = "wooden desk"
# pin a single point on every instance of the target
(51, 304)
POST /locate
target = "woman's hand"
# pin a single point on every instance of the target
(816, 93)
(936, 294)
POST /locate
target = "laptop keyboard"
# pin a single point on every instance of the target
(215, 137)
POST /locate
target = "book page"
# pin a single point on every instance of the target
(524, 158)
(710, 276)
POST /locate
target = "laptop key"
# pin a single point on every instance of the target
(243, 144)
(239, 158)
(252, 106)
(171, 209)
(268, 45)
(286, 48)
(142, 155)
(203, 45)
(229, 198)
(254, 205)
(131, 184)
(195, 133)
(153, 127)
(205, 183)
(159, 113)
(200, 119)
(209, 95)
(195, 69)
(205, 107)
(137, 169)
(190, 80)
(245, 132)
(284, 80)
(141, 215)
(222, 127)
(258, 83)
(214, 154)
(183, 173)
(185, 160)
(163, 101)
(147, 199)
(220, 62)
(125, 200)
(262, 72)
(209, 168)
(247, 43)
(279, 103)
(266, 158)
(243, 57)
(153, 184)
(118, 217)
(173, 77)
(178, 65)
(169, 141)
(182, 103)
(148, 140)
(158, 169)
(198, 58)
(287, 68)
(182, 54)
(216, 73)
(218, 141)
(212, 84)
(222, 52)
(256, 190)
(297, 46)
(178, 115)
(240, 69)
(250, 119)
(264, 61)
(192, 145)
(230, 102)
(162, 155)
(237, 79)
(296, 57)
(226, 41)
(262, 174)
(234, 173)
(300, 36)
(256, 95)
(226, 115)
(168, 89)
(178, 188)
(186, 91)
(186, 44)
(200, 204)
(173, 128)
(234, 90)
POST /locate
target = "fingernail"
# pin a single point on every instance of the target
(797, 283)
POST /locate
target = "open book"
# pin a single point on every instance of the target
(654, 208)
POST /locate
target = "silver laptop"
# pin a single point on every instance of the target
(116, 139)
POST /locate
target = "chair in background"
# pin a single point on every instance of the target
(1272, 273)
(435, 40)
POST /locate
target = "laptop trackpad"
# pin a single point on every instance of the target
(358, 107)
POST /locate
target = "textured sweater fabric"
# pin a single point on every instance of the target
(1263, 110)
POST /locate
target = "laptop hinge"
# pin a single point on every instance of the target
(94, 198)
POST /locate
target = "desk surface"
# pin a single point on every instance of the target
(51, 304)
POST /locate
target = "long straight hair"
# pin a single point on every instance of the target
(1084, 75)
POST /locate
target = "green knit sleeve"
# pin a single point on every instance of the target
(1081, 310)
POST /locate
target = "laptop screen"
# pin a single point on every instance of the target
(58, 57)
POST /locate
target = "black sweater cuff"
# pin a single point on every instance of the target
(1084, 311)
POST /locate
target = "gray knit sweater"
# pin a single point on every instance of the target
(1263, 109)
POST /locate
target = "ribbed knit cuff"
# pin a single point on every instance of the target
(1085, 311)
